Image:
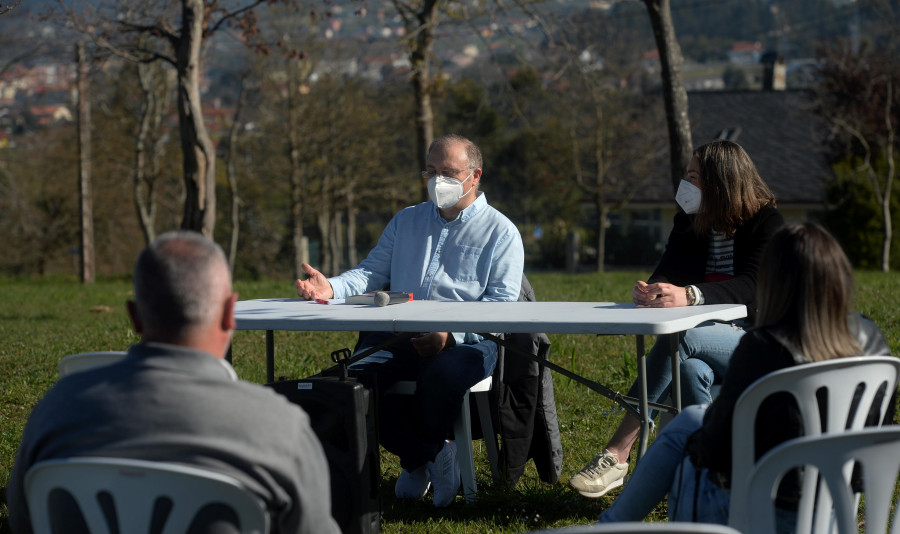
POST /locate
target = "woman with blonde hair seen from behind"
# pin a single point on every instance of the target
(712, 256)
(805, 315)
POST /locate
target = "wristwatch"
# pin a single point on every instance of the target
(691, 295)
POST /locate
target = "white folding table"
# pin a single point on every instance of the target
(599, 318)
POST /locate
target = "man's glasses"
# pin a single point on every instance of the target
(428, 175)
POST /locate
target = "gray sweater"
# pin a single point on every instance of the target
(169, 403)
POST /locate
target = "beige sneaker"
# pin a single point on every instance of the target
(603, 474)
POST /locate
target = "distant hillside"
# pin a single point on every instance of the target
(707, 29)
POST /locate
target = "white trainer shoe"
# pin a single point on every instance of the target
(412, 484)
(444, 474)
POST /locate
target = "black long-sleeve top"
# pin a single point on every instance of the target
(684, 260)
(778, 418)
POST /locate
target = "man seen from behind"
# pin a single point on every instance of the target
(174, 398)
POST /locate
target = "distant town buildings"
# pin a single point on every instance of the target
(42, 94)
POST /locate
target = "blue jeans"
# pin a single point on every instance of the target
(415, 429)
(666, 469)
(704, 351)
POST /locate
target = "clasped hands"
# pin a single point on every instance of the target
(658, 295)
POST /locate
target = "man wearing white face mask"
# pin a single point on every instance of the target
(712, 257)
(446, 191)
(454, 248)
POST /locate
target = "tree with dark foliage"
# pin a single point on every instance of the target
(859, 96)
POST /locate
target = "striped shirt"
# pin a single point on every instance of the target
(720, 262)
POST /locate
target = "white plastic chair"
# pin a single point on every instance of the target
(138, 492)
(877, 450)
(74, 363)
(638, 527)
(839, 379)
(462, 430)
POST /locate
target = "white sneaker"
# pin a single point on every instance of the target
(412, 484)
(444, 474)
(602, 475)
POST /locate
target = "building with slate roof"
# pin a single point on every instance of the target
(779, 132)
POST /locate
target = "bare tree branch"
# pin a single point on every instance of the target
(230, 16)
(152, 29)
(7, 8)
(137, 53)
(18, 59)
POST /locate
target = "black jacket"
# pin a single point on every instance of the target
(524, 406)
(684, 260)
(758, 354)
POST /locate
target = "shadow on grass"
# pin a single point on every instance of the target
(531, 505)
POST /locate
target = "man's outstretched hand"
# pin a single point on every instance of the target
(315, 286)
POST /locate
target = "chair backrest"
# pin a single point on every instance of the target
(123, 495)
(637, 527)
(837, 382)
(74, 363)
(877, 450)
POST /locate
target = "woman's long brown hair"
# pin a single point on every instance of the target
(731, 187)
(805, 290)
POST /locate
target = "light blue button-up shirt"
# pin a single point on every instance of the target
(477, 256)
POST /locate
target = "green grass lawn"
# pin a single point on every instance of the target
(43, 320)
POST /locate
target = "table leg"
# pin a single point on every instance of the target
(645, 408)
(636, 406)
(270, 356)
(674, 342)
(628, 403)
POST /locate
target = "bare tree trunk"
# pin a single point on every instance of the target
(888, 229)
(602, 167)
(86, 207)
(888, 183)
(143, 190)
(674, 93)
(324, 222)
(424, 115)
(298, 187)
(602, 214)
(199, 155)
(336, 241)
(882, 196)
(351, 229)
(231, 174)
(155, 104)
(598, 186)
(420, 59)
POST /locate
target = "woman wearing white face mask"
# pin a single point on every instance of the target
(727, 216)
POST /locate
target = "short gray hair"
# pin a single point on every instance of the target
(177, 282)
(473, 153)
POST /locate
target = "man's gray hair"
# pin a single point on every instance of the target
(176, 282)
(473, 153)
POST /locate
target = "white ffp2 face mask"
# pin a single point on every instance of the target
(445, 192)
(688, 197)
